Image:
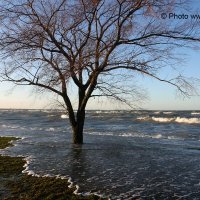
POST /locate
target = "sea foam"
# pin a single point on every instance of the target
(29, 172)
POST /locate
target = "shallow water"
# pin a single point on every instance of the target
(126, 154)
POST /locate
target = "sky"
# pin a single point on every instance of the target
(161, 96)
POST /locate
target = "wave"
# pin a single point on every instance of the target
(174, 138)
(128, 134)
(139, 135)
(50, 129)
(162, 119)
(178, 120)
(63, 116)
(195, 113)
(143, 118)
(193, 120)
(156, 119)
(108, 111)
(157, 136)
(34, 110)
(101, 133)
(51, 115)
(10, 126)
(188, 120)
(167, 112)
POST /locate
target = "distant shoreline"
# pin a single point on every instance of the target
(62, 110)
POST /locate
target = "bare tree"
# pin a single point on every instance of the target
(51, 44)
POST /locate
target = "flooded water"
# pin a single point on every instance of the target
(126, 154)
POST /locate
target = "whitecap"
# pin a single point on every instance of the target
(157, 136)
(143, 118)
(47, 111)
(50, 129)
(195, 113)
(162, 119)
(173, 138)
(51, 115)
(9, 126)
(193, 120)
(167, 112)
(108, 111)
(126, 135)
(4, 126)
(98, 111)
(101, 133)
(63, 116)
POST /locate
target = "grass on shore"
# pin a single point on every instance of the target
(15, 185)
(6, 142)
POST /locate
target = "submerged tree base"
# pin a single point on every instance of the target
(15, 185)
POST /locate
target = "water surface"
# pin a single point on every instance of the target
(126, 154)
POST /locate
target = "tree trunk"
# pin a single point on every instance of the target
(78, 134)
(78, 128)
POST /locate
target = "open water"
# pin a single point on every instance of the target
(126, 154)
